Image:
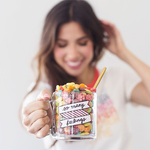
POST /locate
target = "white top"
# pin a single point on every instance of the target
(113, 93)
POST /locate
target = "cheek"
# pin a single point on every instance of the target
(58, 54)
(87, 51)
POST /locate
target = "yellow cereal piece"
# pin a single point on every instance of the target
(62, 103)
(85, 133)
(70, 84)
(86, 124)
(57, 110)
(57, 87)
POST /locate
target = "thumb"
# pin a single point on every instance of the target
(44, 95)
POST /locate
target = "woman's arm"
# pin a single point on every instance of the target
(141, 93)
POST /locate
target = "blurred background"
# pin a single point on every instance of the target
(21, 25)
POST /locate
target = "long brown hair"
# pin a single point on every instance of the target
(64, 12)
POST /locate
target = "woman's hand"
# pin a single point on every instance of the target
(38, 115)
(115, 42)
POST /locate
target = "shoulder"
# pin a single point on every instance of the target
(32, 96)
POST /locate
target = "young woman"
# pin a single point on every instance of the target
(72, 42)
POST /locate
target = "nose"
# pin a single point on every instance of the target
(73, 53)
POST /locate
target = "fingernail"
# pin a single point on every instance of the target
(39, 135)
(46, 95)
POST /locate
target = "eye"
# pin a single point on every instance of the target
(61, 45)
(83, 43)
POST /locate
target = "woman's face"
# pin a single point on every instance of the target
(74, 49)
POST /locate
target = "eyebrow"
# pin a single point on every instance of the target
(84, 37)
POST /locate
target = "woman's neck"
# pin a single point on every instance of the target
(87, 76)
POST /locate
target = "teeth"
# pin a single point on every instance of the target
(73, 64)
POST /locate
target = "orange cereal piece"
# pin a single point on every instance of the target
(81, 127)
(87, 129)
(67, 129)
(57, 117)
(82, 85)
(70, 88)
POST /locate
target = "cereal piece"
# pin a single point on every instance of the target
(67, 130)
(71, 83)
(59, 93)
(68, 100)
(88, 91)
(57, 117)
(90, 104)
(86, 124)
(85, 133)
(76, 86)
(83, 92)
(87, 129)
(89, 110)
(65, 95)
(83, 85)
(81, 127)
(91, 116)
(76, 130)
(81, 89)
(61, 131)
(57, 110)
(93, 90)
(74, 94)
(75, 101)
(81, 97)
(76, 90)
(61, 88)
(89, 97)
(62, 103)
(57, 87)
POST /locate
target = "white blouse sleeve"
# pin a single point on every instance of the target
(131, 80)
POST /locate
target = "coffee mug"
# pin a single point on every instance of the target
(74, 115)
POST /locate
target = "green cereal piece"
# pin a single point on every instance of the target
(91, 104)
(85, 133)
(83, 92)
(59, 93)
(88, 91)
(57, 103)
(89, 110)
(76, 90)
(91, 127)
(78, 133)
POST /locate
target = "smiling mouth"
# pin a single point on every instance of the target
(74, 64)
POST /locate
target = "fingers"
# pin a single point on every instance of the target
(38, 116)
(38, 124)
(43, 132)
(44, 95)
(36, 105)
(29, 120)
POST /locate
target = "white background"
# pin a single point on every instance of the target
(20, 29)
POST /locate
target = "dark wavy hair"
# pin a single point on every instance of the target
(64, 12)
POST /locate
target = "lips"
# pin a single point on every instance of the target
(74, 64)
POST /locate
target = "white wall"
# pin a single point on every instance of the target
(20, 29)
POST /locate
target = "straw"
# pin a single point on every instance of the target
(99, 78)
